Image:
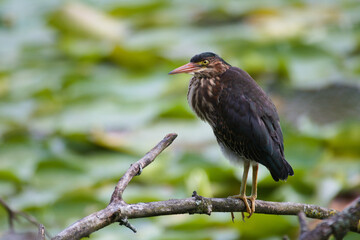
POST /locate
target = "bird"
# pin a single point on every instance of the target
(243, 118)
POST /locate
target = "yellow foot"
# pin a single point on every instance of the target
(252, 200)
(249, 210)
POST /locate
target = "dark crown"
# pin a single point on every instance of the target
(205, 55)
(202, 56)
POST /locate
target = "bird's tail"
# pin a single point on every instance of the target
(281, 171)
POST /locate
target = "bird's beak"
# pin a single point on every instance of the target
(187, 68)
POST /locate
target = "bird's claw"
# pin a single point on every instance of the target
(252, 200)
(249, 210)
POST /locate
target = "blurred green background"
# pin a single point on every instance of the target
(84, 92)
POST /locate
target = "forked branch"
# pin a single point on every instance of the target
(119, 211)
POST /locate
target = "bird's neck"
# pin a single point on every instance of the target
(203, 96)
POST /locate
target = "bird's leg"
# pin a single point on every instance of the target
(253, 196)
(242, 194)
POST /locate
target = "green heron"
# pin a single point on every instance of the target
(243, 118)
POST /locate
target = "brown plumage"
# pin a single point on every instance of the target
(243, 118)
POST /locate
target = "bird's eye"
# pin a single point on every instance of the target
(205, 62)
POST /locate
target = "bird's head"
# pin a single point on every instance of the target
(206, 64)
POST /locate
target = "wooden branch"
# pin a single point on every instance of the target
(195, 205)
(119, 211)
(136, 168)
(338, 225)
(113, 212)
(203, 205)
(303, 225)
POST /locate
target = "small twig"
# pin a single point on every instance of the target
(137, 167)
(14, 213)
(303, 224)
(140, 171)
(11, 214)
(41, 232)
(124, 221)
(28, 217)
(203, 203)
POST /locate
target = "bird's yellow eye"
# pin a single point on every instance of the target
(204, 62)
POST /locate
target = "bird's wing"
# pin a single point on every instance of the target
(253, 122)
